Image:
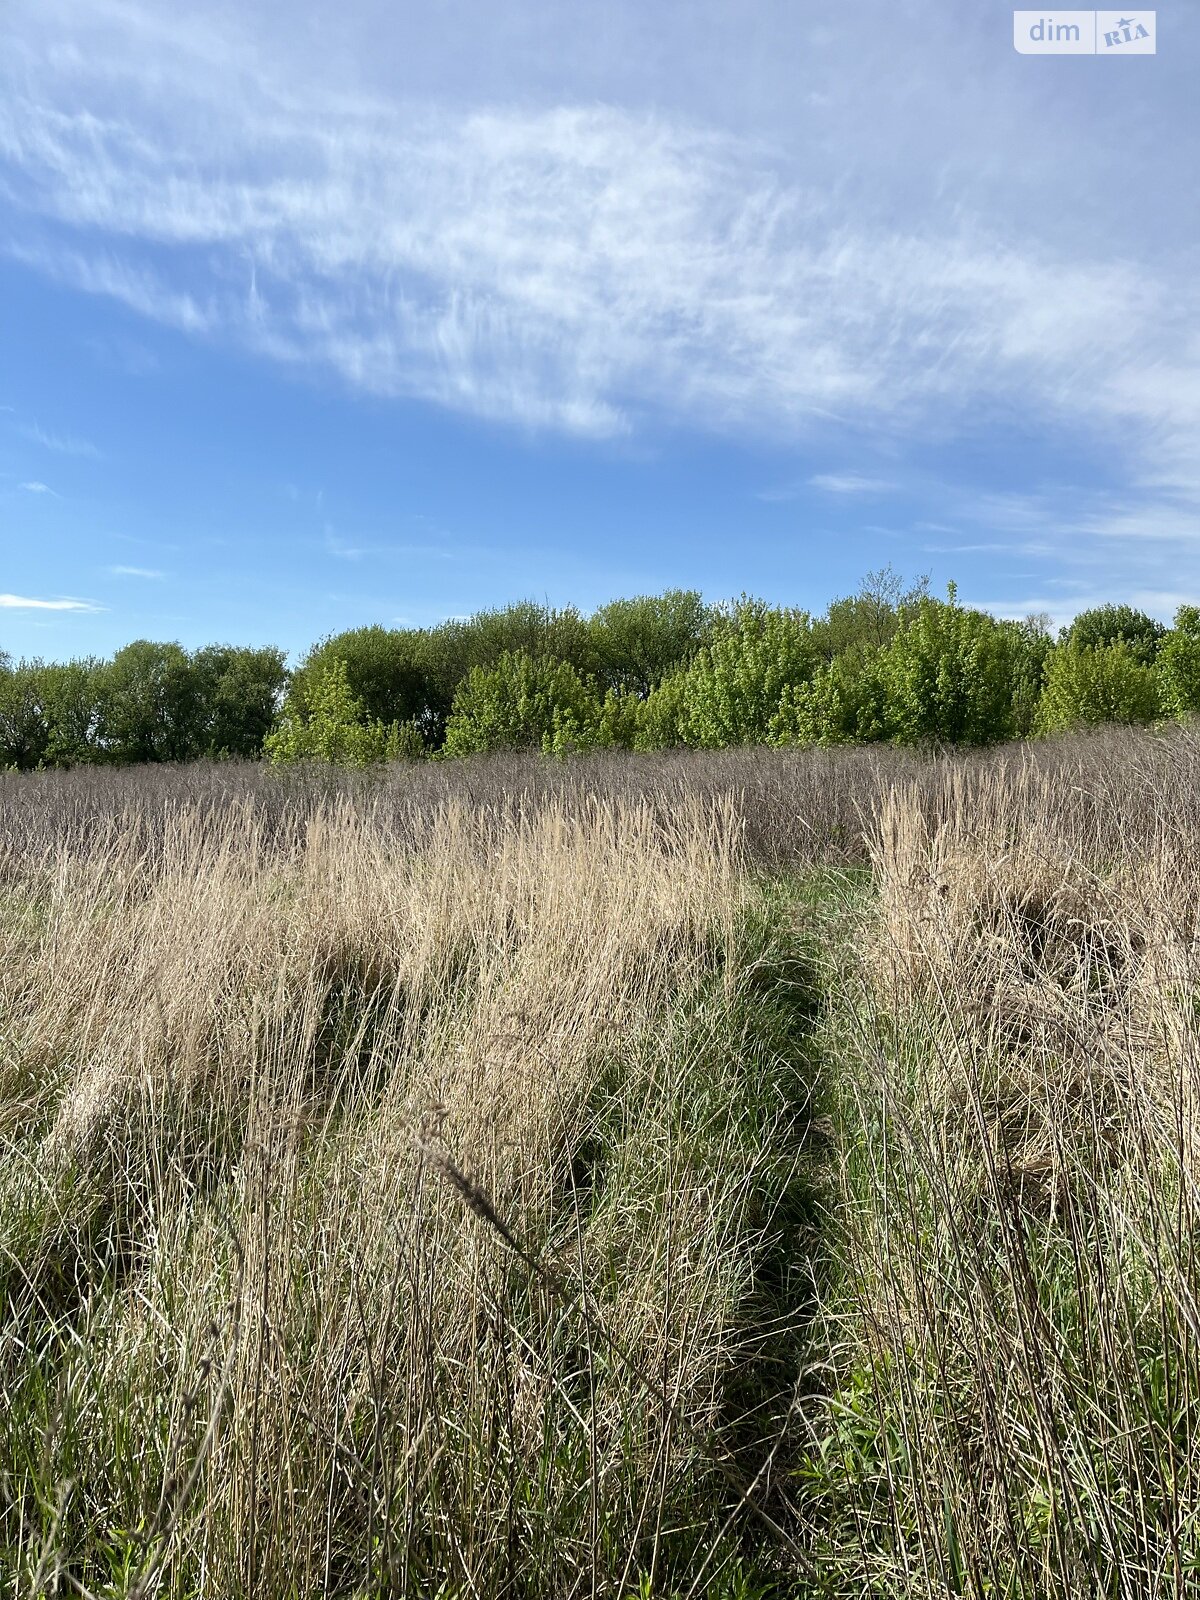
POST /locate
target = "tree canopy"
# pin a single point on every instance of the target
(888, 663)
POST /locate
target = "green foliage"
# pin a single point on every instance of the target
(866, 621)
(152, 702)
(1114, 624)
(389, 671)
(732, 690)
(149, 704)
(155, 702)
(1034, 645)
(612, 723)
(662, 715)
(1089, 686)
(334, 727)
(845, 702)
(22, 727)
(71, 699)
(954, 674)
(651, 672)
(639, 641)
(47, 713)
(527, 628)
(522, 702)
(1179, 665)
(239, 692)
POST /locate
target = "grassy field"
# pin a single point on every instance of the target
(730, 1175)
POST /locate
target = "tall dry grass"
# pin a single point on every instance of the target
(253, 1342)
(1017, 1412)
(796, 808)
(415, 1186)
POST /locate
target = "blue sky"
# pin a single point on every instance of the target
(315, 316)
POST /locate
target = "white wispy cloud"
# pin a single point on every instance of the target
(619, 259)
(849, 483)
(995, 547)
(577, 267)
(1160, 603)
(20, 602)
(136, 572)
(343, 550)
(62, 443)
(36, 487)
(1149, 518)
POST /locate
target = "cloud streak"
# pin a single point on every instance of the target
(584, 268)
(603, 260)
(20, 602)
(849, 483)
(64, 444)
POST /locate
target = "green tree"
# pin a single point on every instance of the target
(1088, 686)
(733, 688)
(390, 672)
(71, 695)
(336, 729)
(522, 702)
(954, 674)
(638, 642)
(24, 729)
(867, 620)
(1033, 647)
(662, 717)
(609, 724)
(1179, 665)
(150, 705)
(845, 702)
(239, 690)
(456, 647)
(1115, 624)
(49, 713)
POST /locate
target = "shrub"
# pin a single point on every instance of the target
(1104, 625)
(662, 719)
(612, 724)
(845, 702)
(1179, 665)
(519, 704)
(390, 671)
(867, 620)
(639, 641)
(1086, 687)
(456, 647)
(336, 730)
(733, 689)
(953, 674)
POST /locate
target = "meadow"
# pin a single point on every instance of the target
(731, 1173)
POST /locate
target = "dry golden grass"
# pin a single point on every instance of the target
(1020, 1197)
(282, 1355)
(413, 1187)
(1076, 977)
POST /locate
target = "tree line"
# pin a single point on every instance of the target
(887, 663)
